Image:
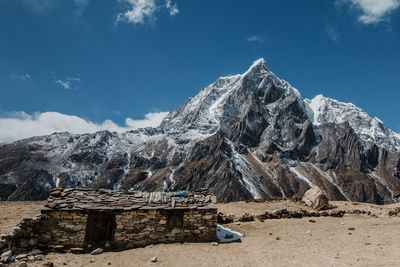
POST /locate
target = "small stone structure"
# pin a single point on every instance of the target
(84, 219)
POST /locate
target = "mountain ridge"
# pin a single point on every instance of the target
(250, 135)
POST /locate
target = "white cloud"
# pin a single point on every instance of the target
(172, 8)
(65, 84)
(373, 11)
(68, 83)
(141, 10)
(255, 39)
(138, 11)
(152, 119)
(19, 125)
(26, 77)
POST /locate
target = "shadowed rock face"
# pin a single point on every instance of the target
(245, 136)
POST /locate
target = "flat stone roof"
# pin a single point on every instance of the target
(102, 199)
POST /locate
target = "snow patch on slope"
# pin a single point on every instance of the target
(301, 176)
(249, 178)
(330, 179)
(269, 172)
(377, 177)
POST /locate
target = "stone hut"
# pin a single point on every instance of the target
(85, 219)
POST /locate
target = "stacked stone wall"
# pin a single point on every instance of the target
(138, 228)
(24, 236)
(61, 230)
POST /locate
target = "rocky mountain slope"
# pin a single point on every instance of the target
(244, 136)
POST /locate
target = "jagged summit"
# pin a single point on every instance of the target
(258, 66)
(223, 99)
(328, 110)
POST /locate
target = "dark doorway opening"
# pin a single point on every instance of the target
(100, 230)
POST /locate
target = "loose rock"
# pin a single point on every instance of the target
(21, 256)
(97, 251)
(76, 250)
(38, 258)
(154, 259)
(246, 217)
(6, 256)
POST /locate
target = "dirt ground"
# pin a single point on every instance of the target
(285, 242)
(11, 212)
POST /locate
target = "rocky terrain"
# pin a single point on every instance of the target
(245, 136)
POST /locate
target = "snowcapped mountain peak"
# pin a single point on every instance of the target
(258, 66)
(223, 99)
(328, 110)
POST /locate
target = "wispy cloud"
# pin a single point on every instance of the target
(172, 8)
(39, 6)
(19, 125)
(332, 33)
(20, 77)
(255, 39)
(81, 5)
(372, 11)
(139, 11)
(68, 83)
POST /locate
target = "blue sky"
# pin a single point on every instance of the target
(92, 64)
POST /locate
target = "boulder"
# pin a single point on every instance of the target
(315, 198)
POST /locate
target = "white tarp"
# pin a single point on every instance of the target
(226, 235)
